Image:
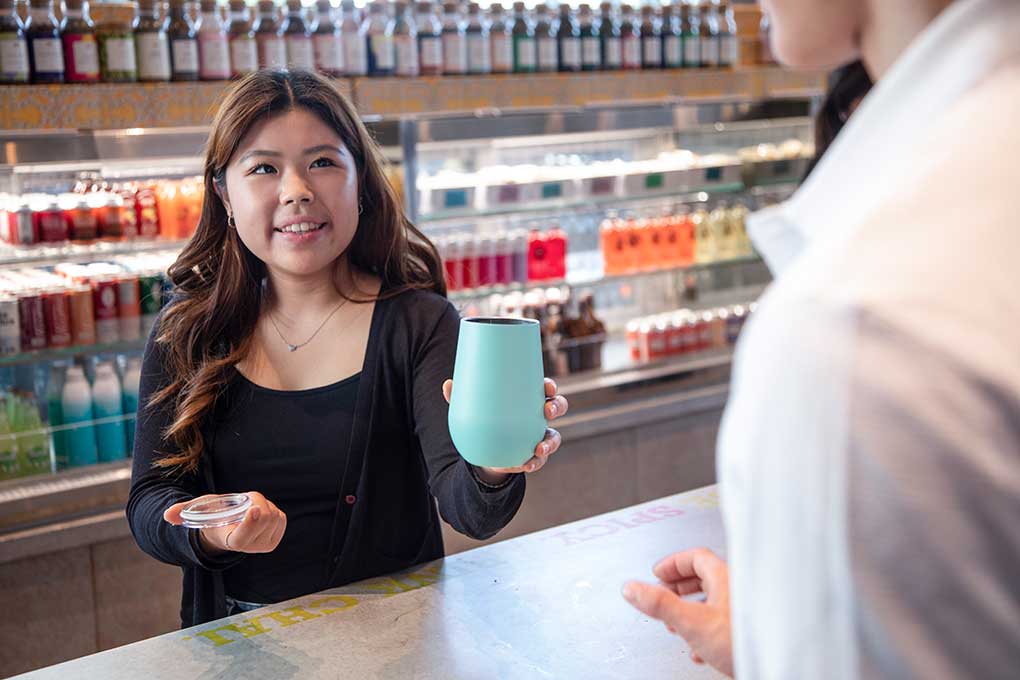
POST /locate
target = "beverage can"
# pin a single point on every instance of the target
(10, 326)
(83, 320)
(104, 301)
(129, 309)
(33, 320)
(57, 307)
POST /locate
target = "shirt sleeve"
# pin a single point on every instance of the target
(154, 489)
(472, 508)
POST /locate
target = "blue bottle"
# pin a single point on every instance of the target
(108, 407)
(76, 409)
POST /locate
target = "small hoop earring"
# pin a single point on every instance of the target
(230, 222)
(361, 208)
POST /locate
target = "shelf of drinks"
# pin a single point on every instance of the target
(81, 252)
(147, 105)
(606, 279)
(68, 353)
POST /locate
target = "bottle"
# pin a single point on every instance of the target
(354, 39)
(272, 49)
(478, 49)
(117, 61)
(378, 30)
(501, 43)
(525, 49)
(672, 39)
(213, 45)
(14, 67)
(183, 45)
(728, 44)
(30, 440)
(612, 39)
(651, 39)
(634, 244)
(405, 40)
(556, 246)
(568, 39)
(722, 232)
(430, 40)
(76, 409)
(690, 29)
(297, 37)
(538, 256)
(244, 51)
(704, 236)
(9, 467)
(519, 256)
(545, 36)
(328, 43)
(78, 37)
(613, 244)
(54, 413)
(132, 379)
(108, 403)
(455, 58)
(709, 35)
(45, 52)
(152, 45)
(591, 40)
(630, 39)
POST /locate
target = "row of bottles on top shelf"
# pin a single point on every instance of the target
(675, 237)
(404, 39)
(86, 416)
(80, 305)
(503, 258)
(682, 331)
(124, 210)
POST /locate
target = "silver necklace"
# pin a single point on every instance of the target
(292, 347)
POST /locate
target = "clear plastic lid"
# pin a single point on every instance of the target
(216, 512)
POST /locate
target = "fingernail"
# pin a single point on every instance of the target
(545, 449)
(630, 593)
(255, 513)
(553, 408)
(531, 468)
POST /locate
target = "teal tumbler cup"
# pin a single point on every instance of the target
(497, 409)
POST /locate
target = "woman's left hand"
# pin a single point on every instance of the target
(555, 407)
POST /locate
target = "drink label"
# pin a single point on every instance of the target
(82, 54)
(548, 60)
(479, 56)
(591, 52)
(571, 53)
(692, 51)
(185, 54)
(674, 51)
(300, 53)
(631, 52)
(153, 56)
(407, 55)
(272, 51)
(709, 51)
(214, 56)
(244, 55)
(49, 55)
(652, 51)
(614, 53)
(432, 53)
(454, 53)
(329, 53)
(13, 57)
(502, 54)
(120, 55)
(355, 55)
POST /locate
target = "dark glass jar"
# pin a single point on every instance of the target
(183, 43)
(45, 51)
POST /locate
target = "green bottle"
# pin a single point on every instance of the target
(525, 47)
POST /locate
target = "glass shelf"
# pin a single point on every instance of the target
(56, 354)
(78, 252)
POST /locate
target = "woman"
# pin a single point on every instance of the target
(871, 487)
(302, 360)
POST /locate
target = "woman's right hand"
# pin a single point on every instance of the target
(259, 532)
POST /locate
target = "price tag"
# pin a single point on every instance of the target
(601, 186)
(713, 174)
(509, 193)
(654, 181)
(455, 198)
(552, 190)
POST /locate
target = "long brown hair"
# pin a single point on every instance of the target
(218, 291)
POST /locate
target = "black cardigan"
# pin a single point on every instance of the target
(400, 457)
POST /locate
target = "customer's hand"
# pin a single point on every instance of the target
(705, 625)
(259, 532)
(555, 407)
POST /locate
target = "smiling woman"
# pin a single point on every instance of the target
(302, 361)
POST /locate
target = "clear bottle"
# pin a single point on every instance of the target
(183, 45)
(108, 407)
(690, 29)
(328, 41)
(568, 39)
(709, 33)
(45, 52)
(405, 40)
(213, 45)
(704, 236)
(81, 50)
(479, 50)
(14, 67)
(455, 56)
(630, 38)
(272, 48)
(729, 45)
(78, 416)
(378, 29)
(117, 60)
(352, 32)
(545, 36)
(430, 40)
(525, 49)
(244, 52)
(672, 39)
(152, 44)
(591, 40)
(297, 37)
(501, 41)
(651, 39)
(612, 39)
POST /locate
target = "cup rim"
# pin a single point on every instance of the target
(500, 321)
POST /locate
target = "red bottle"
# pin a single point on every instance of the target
(556, 243)
(469, 264)
(538, 256)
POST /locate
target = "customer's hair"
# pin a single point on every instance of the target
(847, 85)
(218, 283)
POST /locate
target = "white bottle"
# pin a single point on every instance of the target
(76, 408)
(108, 404)
(132, 379)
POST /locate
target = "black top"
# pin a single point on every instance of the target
(400, 462)
(291, 446)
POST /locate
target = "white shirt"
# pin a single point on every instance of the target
(869, 457)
